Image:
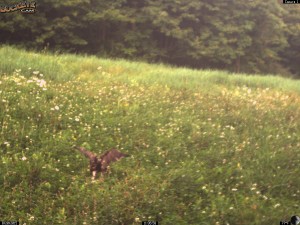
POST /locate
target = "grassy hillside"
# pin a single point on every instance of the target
(65, 67)
(207, 147)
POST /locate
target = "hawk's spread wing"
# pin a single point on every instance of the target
(110, 156)
(87, 153)
(101, 164)
(94, 163)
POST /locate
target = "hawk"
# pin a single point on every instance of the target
(100, 164)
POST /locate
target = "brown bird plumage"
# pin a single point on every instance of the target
(100, 164)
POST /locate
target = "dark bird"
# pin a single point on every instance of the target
(100, 164)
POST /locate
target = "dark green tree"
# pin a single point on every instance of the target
(290, 56)
(268, 38)
(253, 36)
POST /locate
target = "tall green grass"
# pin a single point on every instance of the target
(206, 147)
(64, 67)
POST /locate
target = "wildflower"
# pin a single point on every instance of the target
(56, 107)
(254, 206)
(276, 205)
(35, 72)
(24, 158)
(234, 189)
(42, 83)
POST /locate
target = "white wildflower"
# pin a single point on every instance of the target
(277, 205)
(42, 83)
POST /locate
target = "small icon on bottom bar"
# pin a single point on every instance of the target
(9, 223)
(294, 221)
(149, 223)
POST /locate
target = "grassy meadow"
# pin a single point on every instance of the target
(206, 146)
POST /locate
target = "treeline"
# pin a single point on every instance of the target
(240, 36)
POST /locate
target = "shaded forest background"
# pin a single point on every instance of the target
(239, 36)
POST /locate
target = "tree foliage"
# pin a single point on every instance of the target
(251, 36)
